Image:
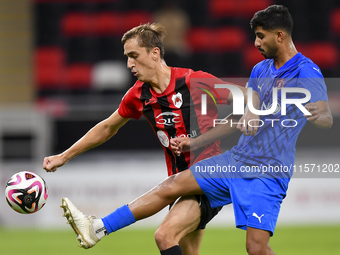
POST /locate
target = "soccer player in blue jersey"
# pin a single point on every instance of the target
(254, 175)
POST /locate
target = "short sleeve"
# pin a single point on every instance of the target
(130, 106)
(312, 79)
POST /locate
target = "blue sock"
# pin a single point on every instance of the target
(120, 218)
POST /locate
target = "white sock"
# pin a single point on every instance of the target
(99, 228)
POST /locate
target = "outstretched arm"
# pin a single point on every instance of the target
(99, 134)
(321, 114)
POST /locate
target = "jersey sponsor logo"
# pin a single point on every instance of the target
(168, 118)
(258, 217)
(163, 138)
(192, 134)
(177, 100)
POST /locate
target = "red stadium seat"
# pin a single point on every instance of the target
(52, 56)
(49, 67)
(47, 77)
(78, 24)
(108, 23)
(250, 7)
(222, 8)
(324, 54)
(102, 24)
(135, 18)
(229, 39)
(199, 38)
(224, 39)
(78, 76)
(236, 8)
(335, 21)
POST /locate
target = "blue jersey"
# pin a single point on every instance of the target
(274, 143)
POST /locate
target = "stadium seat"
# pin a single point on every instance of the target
(324, 54)
(50, 55)
(250, 7)
(229, 39)
(236, 8)
(49, 67)
(222, 8)
(199, 39)
(335, 21)
(78, 24)
(111, 23)
(78, 76)
(103, 23)
(223, 39)
(135, 18)
(108, 23)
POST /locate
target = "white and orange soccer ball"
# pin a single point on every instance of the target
(26, 192)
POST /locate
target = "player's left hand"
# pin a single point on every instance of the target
(314, 110)
(321, 115)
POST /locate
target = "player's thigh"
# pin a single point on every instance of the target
(183, 217)
(257, 203)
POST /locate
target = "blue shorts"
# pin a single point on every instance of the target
(256, 201)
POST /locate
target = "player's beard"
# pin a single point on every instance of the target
(270, 52)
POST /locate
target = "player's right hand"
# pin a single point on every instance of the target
(52, 163)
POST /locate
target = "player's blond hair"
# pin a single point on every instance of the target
(148, 35)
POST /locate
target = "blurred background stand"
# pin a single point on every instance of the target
(24, 133)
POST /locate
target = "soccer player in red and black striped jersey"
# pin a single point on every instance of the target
(171, 101)
(174, 112)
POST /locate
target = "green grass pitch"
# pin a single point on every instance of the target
(311, 240)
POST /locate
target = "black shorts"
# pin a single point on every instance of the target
(207, 213)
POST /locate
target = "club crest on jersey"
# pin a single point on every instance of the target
(280, 83)
(177, 99)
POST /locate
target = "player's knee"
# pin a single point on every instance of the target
(163, 238)
(255, 248)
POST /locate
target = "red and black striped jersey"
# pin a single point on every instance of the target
(176, 113)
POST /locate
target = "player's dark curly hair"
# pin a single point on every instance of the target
(274, 17)
(149, 36)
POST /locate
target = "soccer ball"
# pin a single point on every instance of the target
(26, 192)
